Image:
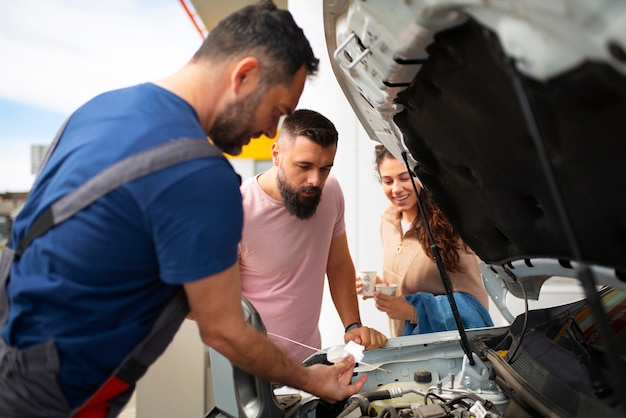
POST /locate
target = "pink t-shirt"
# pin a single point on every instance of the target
(283, 263)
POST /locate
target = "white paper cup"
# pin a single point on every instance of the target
(387, 288)
(368, 278)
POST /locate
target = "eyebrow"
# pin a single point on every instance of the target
(309, 163)
(404, 173)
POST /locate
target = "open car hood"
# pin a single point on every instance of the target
(511, 113)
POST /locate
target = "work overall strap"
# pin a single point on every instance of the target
(7, 255)
(124, 171)
(111, 397)
(6, 260)
(131, 168)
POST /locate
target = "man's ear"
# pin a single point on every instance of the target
(245, 75)
(275, 152)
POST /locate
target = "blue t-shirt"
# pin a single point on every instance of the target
(95, 283)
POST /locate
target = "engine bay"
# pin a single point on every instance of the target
(545, 358)
(417, 377)
(548, 362)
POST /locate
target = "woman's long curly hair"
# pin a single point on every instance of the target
(445, 236)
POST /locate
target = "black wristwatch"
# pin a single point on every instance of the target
(352, 326)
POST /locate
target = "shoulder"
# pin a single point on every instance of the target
(333, 182)
(251, 190)
(332, 187)
(119, 95)
(390, 215)
(248, 184)
(332, 196)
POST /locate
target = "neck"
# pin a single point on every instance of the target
(194, 84)
(409, 216)
(267, 181)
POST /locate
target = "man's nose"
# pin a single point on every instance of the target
(314, 178)
(271, 131)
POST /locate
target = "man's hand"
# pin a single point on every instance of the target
(367, 337)
(333, 383)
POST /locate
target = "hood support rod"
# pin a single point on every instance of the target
(442, 271)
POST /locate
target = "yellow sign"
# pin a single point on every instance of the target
(258, 149)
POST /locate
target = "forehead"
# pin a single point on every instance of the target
(390, 167)
(304, 150)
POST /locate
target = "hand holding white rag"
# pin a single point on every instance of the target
(338, 353)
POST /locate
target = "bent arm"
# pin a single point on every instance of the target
(341, 274)
(215, 303)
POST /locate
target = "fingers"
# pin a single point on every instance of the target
(334, 383)
(358, 385)
(367, 337)
(344, 371)
(355, 335)
(375, 339)
(359, 285)
(382, 296)
(345, 368)
(382, 301)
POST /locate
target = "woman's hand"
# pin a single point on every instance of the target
(396, 307)
(359, 286)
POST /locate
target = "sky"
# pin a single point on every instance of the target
(57, 54)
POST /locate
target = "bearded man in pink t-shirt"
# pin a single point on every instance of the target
(294, 234)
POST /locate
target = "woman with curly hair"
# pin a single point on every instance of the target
(408, 260)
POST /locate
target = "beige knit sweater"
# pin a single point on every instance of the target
(406, 264)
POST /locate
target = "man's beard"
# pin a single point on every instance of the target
(231, 129)
(301, 208)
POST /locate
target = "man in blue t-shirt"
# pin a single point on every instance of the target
(92, 287)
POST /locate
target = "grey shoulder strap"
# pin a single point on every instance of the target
(124, 171)
(51, 148)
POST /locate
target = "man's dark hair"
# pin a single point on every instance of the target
(264, 31)
(311, 124)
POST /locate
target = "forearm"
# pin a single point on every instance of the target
(340, 272)
(215, 303)
(250, 350)
(343, 293)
